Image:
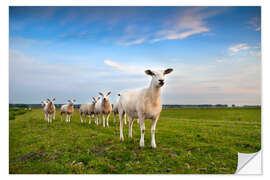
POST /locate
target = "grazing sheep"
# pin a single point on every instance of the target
(115, 111)
(143, 104)
(88, 109)
(49, 109)
(104, 108)
(67, 109)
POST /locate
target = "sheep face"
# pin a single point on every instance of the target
(95, 100)
(43, 103)
(71, 102)
(158, 76)
(105, 98)
(50, 101)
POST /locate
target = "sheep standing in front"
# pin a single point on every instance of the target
(88, 109)
(143, 104)
(44, 104)
(115, 110)
(67, 109)
(49, 109)
(104, 108)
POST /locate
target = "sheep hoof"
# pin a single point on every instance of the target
(154, 146)
(121, 138)
(141, 144)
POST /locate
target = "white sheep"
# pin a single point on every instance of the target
(88, 109)
(115, 111)
(143, 104)
(67, 109)
(103, 107)
(96, 110)
(49, 109)
(44, 104)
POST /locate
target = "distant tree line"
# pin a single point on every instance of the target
(165, 106)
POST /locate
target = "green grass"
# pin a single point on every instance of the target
(13, 112)
(201, 141)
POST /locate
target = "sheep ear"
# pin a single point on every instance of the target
(98, 98)
(74, 100)
(167, 71)
(53, 99)
(94, 99)
(48, 99)
(68, 100)
(100, 94)
(108, 93)
(149, 72)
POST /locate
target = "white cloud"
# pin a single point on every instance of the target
(239, 47)
(255, 23)
(125, 68)
(189, 22)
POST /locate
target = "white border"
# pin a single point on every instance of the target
(4, 74)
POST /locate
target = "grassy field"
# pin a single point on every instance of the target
(201, 141)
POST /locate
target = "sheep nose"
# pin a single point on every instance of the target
(161, 81)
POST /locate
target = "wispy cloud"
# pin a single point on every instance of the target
(182, 25)
(124, 67)
(255, 23)
(239, 47)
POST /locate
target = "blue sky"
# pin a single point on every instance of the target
(76, 52)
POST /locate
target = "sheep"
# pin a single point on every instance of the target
(88, 109)
(143, 104)
(115, 110)
(49, 109)
(67, 109)
(104, 108)
(44, 104)
(96, 111)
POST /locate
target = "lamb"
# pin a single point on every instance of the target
(67, 109)
(143, 104)
(104, 108)
(44, 104)
(115, 110)
(49, 109)
(96, 111)
(88, 109)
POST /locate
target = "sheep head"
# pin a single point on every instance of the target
(71, 102)
(158, 76)
(105, 97)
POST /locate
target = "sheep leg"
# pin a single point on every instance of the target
(108, 116)
(66, 118)
(121, 116)
(153, 129)
(130, 127)
(54, 115)
(69, 118)
(96, 121)
(142, 124)
(125, 119)
(84, 117)
(90, 119)
(103, 118)
(138, 121)
(81, 117)
(114, 118)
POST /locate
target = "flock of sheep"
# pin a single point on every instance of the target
(135, 104)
